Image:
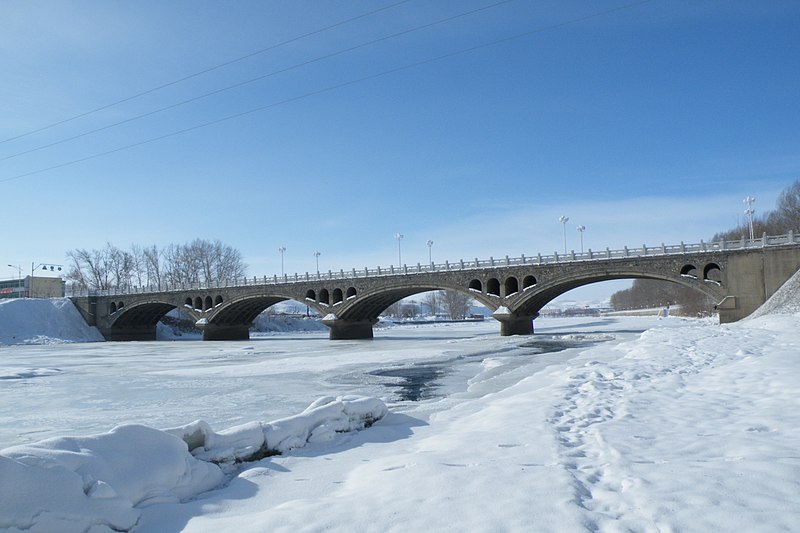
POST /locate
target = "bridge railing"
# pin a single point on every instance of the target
(461, 264)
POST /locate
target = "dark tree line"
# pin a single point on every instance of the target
(199, 261)
(646, 294)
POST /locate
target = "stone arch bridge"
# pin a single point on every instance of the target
(738, 275)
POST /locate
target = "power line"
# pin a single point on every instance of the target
(205, 71)
(334, 88)
(259, 78)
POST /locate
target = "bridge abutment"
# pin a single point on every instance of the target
(348, 329)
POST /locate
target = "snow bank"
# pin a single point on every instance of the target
(35, 321)
(318, 423)
(101, 482)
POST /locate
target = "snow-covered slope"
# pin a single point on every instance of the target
(37, 321)
(785, 301)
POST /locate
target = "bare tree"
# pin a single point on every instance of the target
(456, 304)
(198, 261)
(432, 300)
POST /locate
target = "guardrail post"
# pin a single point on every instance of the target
(379, 270)
(461, 261)
(791, 236)
(405, 268)
(391, 269)
(764, 239)
(491, 260)
(625, 251)
(477, 263)
(419, 268)
(608, 253)
(507, 261)
(354, 272)
(722, 244)
(539, 258)
(572, 255)
(683, 248)
(663, 248)
(523, 259)
(295, 277)
(366, 272)
(447, 265)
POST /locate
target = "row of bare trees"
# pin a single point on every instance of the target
(454, 304)
(199, 261)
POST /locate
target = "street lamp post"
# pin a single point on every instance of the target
(430, 253)
(564, 221)
(281, 249)
(20, 290)
(399, 237)
(316, 255)
(749, 212)
(581, 229)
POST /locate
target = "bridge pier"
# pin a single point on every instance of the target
(512, 323)
(216, 332)
(348, 329)
(134, 333)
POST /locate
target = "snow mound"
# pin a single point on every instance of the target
(785, 301)
(318, 423)
(51, 321)
(100, 482)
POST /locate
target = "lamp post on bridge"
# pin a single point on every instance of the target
(564, 221)
(399, 237)
(316, 256)
(282, 249)
(581, 229)
(430, 256)
(749, 212)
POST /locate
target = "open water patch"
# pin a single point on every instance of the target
(423, 380)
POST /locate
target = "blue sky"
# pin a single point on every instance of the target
(645, 124)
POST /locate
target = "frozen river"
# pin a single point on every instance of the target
(78, 389)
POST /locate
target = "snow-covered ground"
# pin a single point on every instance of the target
(610, 424)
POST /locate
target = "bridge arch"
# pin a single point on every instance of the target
(511, 286)
(493, 287)
(712, 272)
(531, 302)
(338, 296)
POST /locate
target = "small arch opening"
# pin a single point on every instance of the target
(351, 293)
(112, 307)
(218, 300)
(120, 305)
(511, 286)
(324, 297)
(713, 273)
(209, 303)
(528, 282)
(198, 303)
(689, 271)
(188, 302)
(476, 285)
(337, 296)
(493, 287)
(311, 295)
